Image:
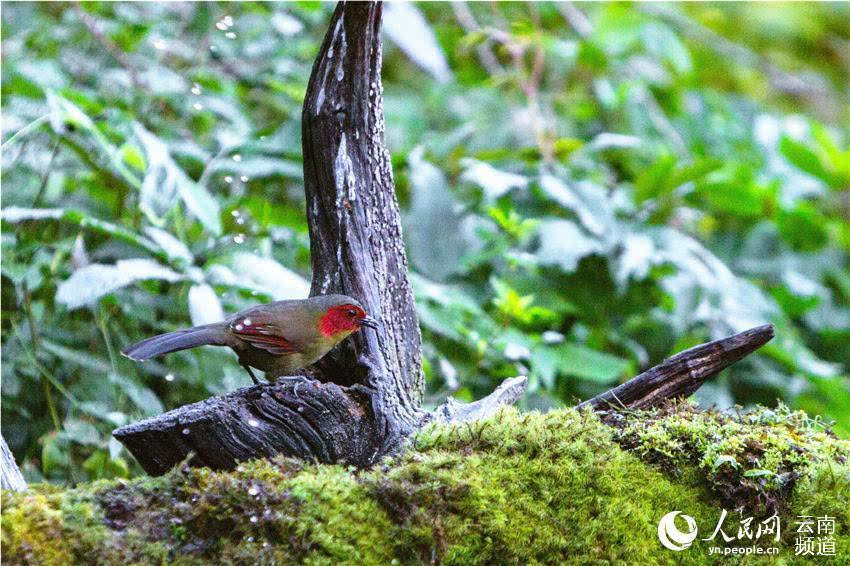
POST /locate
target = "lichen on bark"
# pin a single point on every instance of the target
(516, 488)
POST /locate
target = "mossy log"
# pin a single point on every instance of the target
(331, 424)
(366, 402)
(514, 488)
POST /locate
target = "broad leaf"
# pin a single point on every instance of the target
(92, 282)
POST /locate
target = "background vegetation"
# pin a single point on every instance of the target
(586, 189)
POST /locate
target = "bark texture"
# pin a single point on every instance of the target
(369, 389)
(366, 400)
(682, 374)
(356, 243)
(10, 475)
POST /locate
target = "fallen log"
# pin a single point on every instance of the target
(329, 423)
(367, 399)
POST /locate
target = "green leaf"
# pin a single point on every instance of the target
(133, 156)
(803, 158)
(663, 43)
(143, 398)
(494, 182)
(81, 432)
(165, 181)
(100, 466)
(88, 284)
(173, 248)
(803, 227)
(562, 243)
(261, 274)
(725, 459)
(64, 112)
(580, 361)
(259, 167)
(836, 160)
(758, 473)
(84, 358)
(204, 305)
(54, 454)
(14, 215)
(654, 181)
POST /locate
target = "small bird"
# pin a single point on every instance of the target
(277, 338)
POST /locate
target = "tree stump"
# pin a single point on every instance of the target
(367, 398)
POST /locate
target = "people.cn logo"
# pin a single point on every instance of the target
(671, 537)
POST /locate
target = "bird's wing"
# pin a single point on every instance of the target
(256, 329)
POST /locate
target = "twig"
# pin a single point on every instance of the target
(26, 129)
(46, 176)
(94, 28)
(36, 344)
(576, 18)
(506, 394)
(467, 21)
(812, 87)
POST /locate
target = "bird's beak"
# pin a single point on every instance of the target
(370, 322)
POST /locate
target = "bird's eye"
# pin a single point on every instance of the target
(352, 313)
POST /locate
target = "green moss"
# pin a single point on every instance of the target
(750, 460)
(517, 488)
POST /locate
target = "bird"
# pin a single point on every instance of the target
(277, 338)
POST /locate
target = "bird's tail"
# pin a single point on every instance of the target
(210, 334)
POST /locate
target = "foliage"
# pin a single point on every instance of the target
(586, 190)
(516, 488)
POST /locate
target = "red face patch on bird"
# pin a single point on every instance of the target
(341, 318)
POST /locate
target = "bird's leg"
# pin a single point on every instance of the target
(251, 373)
(297, 379)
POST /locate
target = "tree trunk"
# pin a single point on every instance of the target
(356, 244)
(10, 475)
(373, 402)
(367, 399)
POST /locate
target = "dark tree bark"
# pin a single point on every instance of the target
(356, 244)
(10, 475)
(356, 249)
(682, 374)
(366, 400)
